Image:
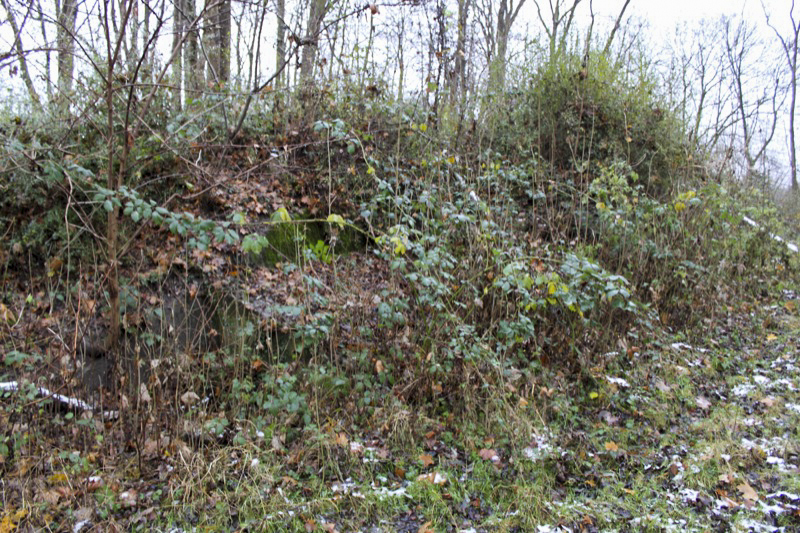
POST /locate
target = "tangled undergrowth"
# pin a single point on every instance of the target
(371, 323)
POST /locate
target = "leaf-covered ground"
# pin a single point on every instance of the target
(683, 434)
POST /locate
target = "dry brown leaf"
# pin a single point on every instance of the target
(747, 491)
(769, 401)
(129, 498)
(51, 496)
(544, 391)
(663, 387)
(150, 448)
(54, 265)
(341, 439)
(87, 305)
(611, 446)
(189, 398)
(427, 460)
(427, 527)
(434, 477)
(6, 315)
(702, 402)
(489, 455)
(378, 366)
(144, 395)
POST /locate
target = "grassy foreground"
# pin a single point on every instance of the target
(680, 435)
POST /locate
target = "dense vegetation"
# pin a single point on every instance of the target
(356, 308)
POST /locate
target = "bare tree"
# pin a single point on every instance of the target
(507, 13)
(697, 85)
(789, 45)
(23, 63)
(131, 45)
(280, 41)
(757, 118)
(178, 29)
(192, 65)
(458, 78)
(559, 25)
(113, 52)
(617, 23)
(217, 42)
(43, 23)
(67, 14)
(316, 13)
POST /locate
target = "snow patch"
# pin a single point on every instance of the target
(791, 246)
(760, 380)
(678, 346)
(689, 495)
(752, 526)
(619, 382)
(540, 448)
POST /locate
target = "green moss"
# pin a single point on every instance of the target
(287, 242)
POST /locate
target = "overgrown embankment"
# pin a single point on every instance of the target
(372, 321)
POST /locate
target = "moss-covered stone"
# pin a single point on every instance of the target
(287, 241)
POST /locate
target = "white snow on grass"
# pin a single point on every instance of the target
(619, 382)
(540, 448)
(743, 389)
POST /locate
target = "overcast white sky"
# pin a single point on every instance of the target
(663, 15)
(670, 12)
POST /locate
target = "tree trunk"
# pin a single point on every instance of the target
(560, 24)
(133, 48)
(192, 66)
(792, 145)
(178, 28)
(458, 80)
(65, 41)
(45, 39)
(316, 13)
(610, 40)
(280, 43)
(217, 42)
(114, 176)
(790, 50)
(223, 10)
(506, 15)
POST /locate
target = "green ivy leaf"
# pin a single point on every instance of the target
(282, 215)
(336, 219)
